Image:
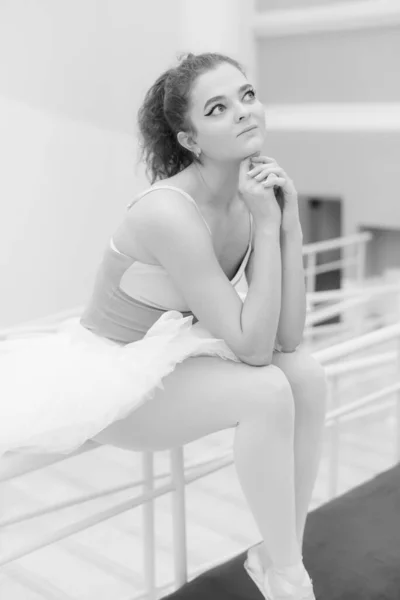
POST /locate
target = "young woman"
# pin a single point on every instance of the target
(168, 350)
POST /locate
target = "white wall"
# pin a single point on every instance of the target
(262, 5)
(72, 76)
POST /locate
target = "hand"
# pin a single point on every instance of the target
(258, 194)
(286, 194)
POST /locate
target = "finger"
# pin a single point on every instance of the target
(255, 170)
(258, 168)
(267, 171)
(262, 167)
(244, 167)
(273, 180)
(263, 159)
(270, 177)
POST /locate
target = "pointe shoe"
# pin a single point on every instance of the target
(272, 584)
(277, 586)
(254, 567)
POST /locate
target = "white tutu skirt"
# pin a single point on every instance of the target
(58, 390)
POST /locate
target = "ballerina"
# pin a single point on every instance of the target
(169, 349)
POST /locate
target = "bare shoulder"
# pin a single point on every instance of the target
(164, 213)
(157, 207)
(160, 206)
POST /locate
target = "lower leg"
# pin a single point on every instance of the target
(308, 450)
(308, 446)
(265, 465)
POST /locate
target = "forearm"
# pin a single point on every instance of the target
(261, 308)
(293, 302)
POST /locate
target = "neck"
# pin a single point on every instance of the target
(219, 182)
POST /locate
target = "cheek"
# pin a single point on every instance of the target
(260, 116)
(215, 137)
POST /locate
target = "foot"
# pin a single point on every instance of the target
(275, 584)
(288, 584)
(256, 564)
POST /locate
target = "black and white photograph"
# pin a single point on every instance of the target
(200, 300)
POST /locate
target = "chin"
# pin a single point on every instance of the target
(251, 149)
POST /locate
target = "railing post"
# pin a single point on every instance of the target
(397, 425)
(310, 283)
(311, 264)
(149, 543)
(360, 264)
(334, 439)
(179, 516)
(360, 278)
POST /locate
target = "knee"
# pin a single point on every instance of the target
(271, 397)
(307, 378)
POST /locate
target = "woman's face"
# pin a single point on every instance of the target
(220, 123)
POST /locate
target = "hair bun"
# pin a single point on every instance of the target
(184, 56)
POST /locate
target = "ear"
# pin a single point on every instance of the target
(186, 140)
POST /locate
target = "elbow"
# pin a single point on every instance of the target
(265, 362)
(257, 355)
(257, 360)
(287, 346)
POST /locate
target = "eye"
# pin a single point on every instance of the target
(252, 92)
(213, 108)
(252, 97)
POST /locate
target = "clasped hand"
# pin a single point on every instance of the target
(266, 169)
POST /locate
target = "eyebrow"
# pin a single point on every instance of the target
(215, 98)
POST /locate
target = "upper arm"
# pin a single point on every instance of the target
(171, 230)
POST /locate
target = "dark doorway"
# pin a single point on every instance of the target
(321, 219)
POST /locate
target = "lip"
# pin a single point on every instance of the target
(250, 128)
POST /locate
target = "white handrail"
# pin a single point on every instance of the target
(340, 294)
(367, 362)
(330, 266)
(190, 467)
(201, 471)
(335, 243)
(362, 342)
(16, 464)
(360, 403)
(335, 309)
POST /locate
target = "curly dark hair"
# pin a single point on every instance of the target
(164, 113)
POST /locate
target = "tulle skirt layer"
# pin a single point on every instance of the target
(60, 389)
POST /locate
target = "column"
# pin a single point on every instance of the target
(219, 26)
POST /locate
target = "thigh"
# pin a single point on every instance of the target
(201, 396)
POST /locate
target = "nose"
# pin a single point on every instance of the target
(241, 113)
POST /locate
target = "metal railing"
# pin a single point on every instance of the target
(356, 243)
(181, 474)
